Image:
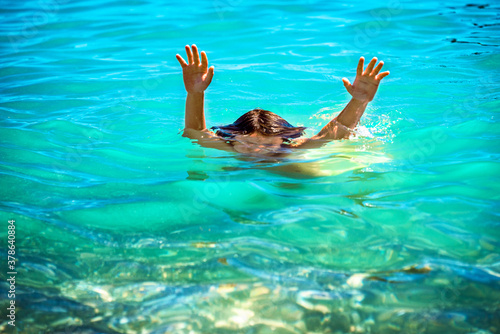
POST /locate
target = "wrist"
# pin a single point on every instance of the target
(360, 101)
(195, 94)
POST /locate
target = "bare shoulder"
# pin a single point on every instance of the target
(198, 134)
(207, 138)
(306, 143)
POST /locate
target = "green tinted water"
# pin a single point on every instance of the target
(125, 226)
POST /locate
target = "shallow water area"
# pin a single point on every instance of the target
(125, 226)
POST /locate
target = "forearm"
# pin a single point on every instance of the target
(195, 114)
(352, 113)
(340, 127)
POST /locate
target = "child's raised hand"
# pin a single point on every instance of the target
(197, 76)
(366, 83)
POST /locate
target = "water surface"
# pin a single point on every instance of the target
(125, 226)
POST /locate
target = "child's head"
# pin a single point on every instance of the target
(261, 122)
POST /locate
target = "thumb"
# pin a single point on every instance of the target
(347, 85)
(210, 75)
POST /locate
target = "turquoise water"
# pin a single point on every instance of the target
(125, 226)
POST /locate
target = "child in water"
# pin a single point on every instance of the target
(262, 132)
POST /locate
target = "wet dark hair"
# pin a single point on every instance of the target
(261, 121)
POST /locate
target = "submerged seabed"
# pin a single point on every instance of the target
(125, 226)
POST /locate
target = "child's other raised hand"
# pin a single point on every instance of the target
(366, 83)
(197, 76)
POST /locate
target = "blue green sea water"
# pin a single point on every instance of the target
(124, 226)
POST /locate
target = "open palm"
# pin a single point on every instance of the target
(366, 83)
(197, 76)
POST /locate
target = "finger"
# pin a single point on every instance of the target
(181, 61)
(347, 84)
(370, 66)
(361, 63)
(210, 75)
(382, 75)
(377, 69)
(196, 55)
(204, 59)
(189, 55)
